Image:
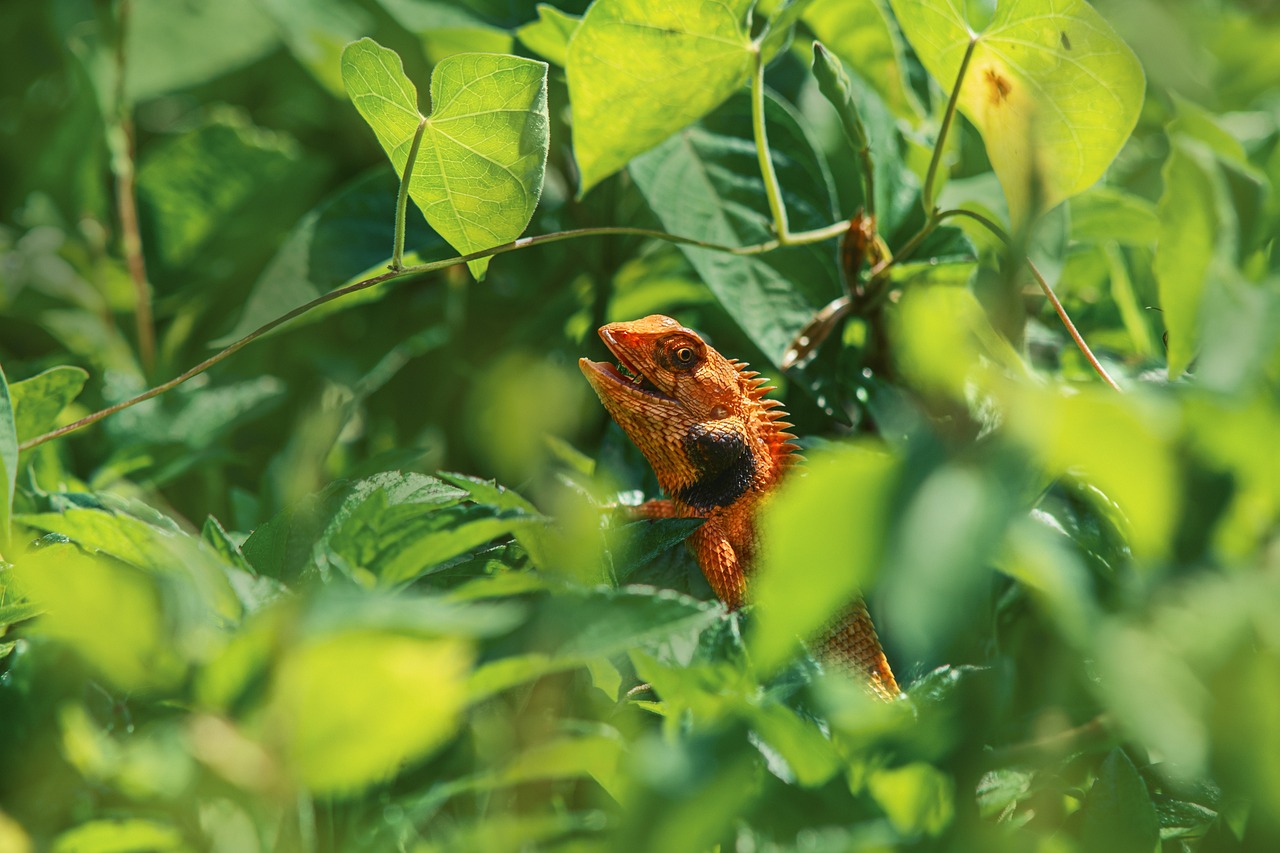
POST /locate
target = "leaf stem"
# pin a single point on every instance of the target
(947, 118)
(402, 199)
(773, 191)
(406, 272)
(1044, 287)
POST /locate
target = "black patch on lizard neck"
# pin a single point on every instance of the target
(726, 467)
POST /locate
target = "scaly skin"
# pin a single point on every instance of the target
(719, 447)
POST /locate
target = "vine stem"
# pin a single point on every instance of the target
(947, 118)
(402, 199)
(1044, 287)
(406, 272)
(127, 204)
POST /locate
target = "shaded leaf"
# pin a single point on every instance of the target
(38, 401)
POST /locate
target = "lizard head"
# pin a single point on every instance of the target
(698, 417)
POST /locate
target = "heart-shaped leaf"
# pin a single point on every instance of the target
(639, 71)
(1050, 86)
(479, 171)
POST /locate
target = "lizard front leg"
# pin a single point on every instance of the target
(720, 564)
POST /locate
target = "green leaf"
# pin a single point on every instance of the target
(352, 707)
(1105, 215)
(639, 71)
(446, 29)
(636, 544)
(38, 401)
(1117, 813)
(87, 598)
(202, 195)
(810, 568)
(532, 536)
(132, 835)
(917, 798)
(1188, 237)
(316, 31)
(549, 35)
(8, 461)
(579, 626)
(705, 183)
(346, 238)
(861, 33)
(1050, 86)
(173, 47)
(479, 172)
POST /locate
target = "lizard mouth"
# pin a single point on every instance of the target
(625, 373)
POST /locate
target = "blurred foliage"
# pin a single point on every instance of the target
(254, 613)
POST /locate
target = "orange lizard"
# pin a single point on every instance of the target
(719, 447)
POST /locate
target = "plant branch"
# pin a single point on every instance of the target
(402, 199)
(409, 272)
(947, 118)
(126, 202)
(1044, 287)
(773, 191)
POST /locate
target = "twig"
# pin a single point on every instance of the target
(127, 205)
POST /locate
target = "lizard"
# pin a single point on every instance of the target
(719, 447)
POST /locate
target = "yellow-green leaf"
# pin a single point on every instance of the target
(479, 171)
(1052, 88)
(639, 71)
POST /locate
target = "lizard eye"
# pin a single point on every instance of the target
(685, 356)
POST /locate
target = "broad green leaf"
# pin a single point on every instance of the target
(1105, 215)
(316, 31)
(1117, 814)
(822, 540)
(88, 598)
(8, 461)
(531, 536)
(639, 71)
(1119, 446)
(705, 183)
(549, 35)
(1189, 232)
(347, 237)
(809, 755)
(351, 708)
(917, 798)
(861, 33)
(581, 626)
(479, 171)
(1050, 86)
(446, 29)
(636, 544)
(128, 835)
(38, 401)
(203, 195)
(176, 46)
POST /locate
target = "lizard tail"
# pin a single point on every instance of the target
(851, 646)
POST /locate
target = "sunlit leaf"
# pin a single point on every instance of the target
(918, 798)
(822, 541)
(350, 708)
(479, 172)
(1050, 86)
(640, 71)
(132, 835)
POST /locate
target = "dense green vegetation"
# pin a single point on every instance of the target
(255, 611)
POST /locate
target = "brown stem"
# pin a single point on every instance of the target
(1045, 288)
(127, 204)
